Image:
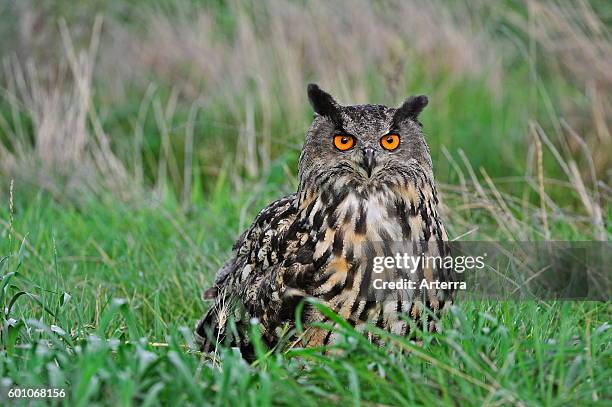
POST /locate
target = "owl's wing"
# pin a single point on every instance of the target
(256, 254)
(229, 267)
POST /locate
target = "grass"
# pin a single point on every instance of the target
(137, 142)
(113, 291)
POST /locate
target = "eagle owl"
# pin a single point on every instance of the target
(365, 183)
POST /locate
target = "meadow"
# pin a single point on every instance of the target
(138, 139)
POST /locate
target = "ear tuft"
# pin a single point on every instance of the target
(324, 104)
(410, 109)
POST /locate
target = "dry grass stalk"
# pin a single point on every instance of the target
(68, 139)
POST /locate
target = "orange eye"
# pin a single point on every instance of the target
(343, 142)
(390, 142)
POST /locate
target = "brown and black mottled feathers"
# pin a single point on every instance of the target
(320, 245)
(237, 294)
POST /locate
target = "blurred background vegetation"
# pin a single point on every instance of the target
(172, 95)
(138, 138)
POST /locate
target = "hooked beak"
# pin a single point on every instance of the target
(368, 162)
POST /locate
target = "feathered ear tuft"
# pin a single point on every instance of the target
(324, 104)
(410, 109)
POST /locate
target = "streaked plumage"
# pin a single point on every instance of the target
(319, 241)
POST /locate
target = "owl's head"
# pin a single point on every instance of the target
(363, 145)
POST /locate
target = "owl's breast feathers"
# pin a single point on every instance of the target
(321, 243)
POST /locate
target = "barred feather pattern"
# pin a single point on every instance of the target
(305, 245)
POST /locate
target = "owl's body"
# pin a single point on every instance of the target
(360, 196)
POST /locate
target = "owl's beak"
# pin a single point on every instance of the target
(368, 162)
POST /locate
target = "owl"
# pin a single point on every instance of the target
(365, 188)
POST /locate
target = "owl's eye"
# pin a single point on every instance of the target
(343, 142)
(390, 141)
